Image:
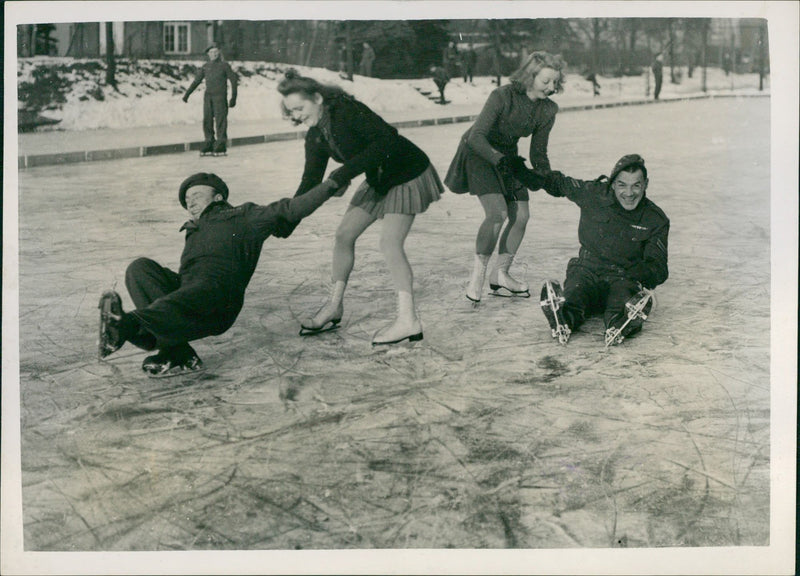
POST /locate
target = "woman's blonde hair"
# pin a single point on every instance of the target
(534, 63)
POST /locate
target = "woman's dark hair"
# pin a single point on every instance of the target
(294, 83)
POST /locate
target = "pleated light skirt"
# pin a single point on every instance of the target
(412, 197)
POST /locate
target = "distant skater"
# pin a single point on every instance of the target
(367, 59)
(623, 239)
(400, 183)
(222, 247)
(440, 78)
(658, 73)
(468, 61)
(217, 73)
(482, 166)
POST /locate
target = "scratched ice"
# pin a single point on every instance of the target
(485, 434)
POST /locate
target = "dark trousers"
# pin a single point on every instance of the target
(588, 291)
(147, 281)
(657, 91)
(440, 86)
(215, 114)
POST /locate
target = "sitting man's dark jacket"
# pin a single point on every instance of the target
(620, 249)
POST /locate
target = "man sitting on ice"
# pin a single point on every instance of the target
(623, 254)
(223, 244)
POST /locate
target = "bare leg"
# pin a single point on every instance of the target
(510, 240)
(518, 216)
(393, 237)
(495, 210)
(353, 224)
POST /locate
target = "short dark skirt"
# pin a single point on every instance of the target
(469, 173)
(412, 197)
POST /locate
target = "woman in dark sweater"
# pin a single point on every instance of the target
(483, 162)
(400, 183)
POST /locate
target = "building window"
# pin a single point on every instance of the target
(176, 38)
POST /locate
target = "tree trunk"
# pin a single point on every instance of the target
(595, 45)
(498, 52)
(632, 44)
(349, 44)
(761, 42)
(704, 53)
(671, 31)
(111, 63)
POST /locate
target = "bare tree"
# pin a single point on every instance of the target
(762, 42)
(111, 62)
(671, 49)
(705, 24)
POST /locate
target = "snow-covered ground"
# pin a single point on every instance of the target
(149, 91)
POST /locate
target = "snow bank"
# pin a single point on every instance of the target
(148, 92)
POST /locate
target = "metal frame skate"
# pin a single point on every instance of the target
(614, 335)
(553, 302)
(107, 300)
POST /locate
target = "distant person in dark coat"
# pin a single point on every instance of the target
(440, 78)
(367, 59)
(450, 59)
(623, 239)
(481, 167)
(468, 60)
(592, 77)
(400, 182)
(658, 73)
(222, 247)
(216, 72)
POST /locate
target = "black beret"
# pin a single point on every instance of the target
(202, 179)
(626, 162)
(213, 45)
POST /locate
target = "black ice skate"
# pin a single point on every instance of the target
(207, 149)
(164, 366)
(637, 308)
(110, 315)
(552, 299)
(220, 150)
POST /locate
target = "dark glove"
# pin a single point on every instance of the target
(530, 179)
(506, 165)
(640, 272)
(283, 228)
(232, 103)
(185, 97)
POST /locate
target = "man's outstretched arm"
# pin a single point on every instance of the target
(553, 182)
(281, 217)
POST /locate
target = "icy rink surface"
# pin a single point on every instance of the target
(486, 434)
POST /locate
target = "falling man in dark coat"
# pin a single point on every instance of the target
(204, 298)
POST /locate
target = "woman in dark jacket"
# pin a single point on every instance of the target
(482, 166)
(400, 183)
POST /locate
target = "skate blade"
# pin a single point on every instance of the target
(411, 338)
(104, 349)
(613, 339)
(503, 292)
(327, 327)
(475, 303)
(174, 372)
